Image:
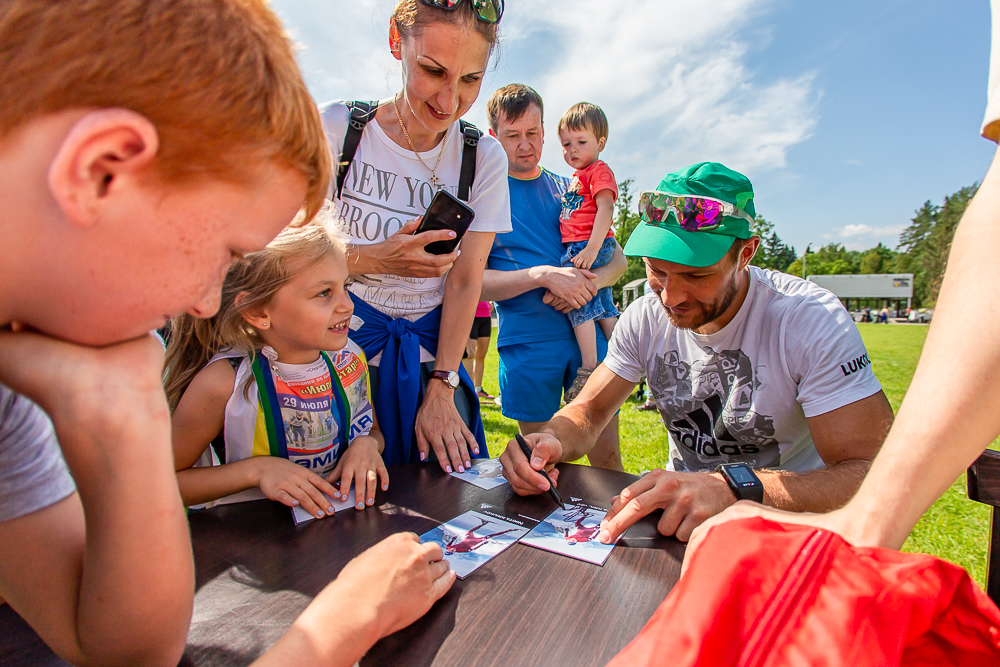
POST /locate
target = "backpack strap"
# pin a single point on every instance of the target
(470, 144)
(361, 114)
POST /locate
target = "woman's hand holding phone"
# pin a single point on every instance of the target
(403, 253)
(446, 212)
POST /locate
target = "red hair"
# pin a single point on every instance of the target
(216, 77)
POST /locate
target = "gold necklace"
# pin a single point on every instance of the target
(434, 179)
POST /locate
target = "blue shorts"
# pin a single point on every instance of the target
(602, 306)
(533, 376)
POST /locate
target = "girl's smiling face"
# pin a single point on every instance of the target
(309, 313)
(443, 68)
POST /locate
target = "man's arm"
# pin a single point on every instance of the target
(609, 274)
(569, 435)
(949, 414)
(573, 285)
(567, 288)
(606, 276)
(104, 576)
(847, 439)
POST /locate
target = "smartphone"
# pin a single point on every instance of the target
(446, 212)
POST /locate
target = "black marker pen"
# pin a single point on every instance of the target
(552, 487)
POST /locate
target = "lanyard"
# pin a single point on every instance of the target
(276, 438)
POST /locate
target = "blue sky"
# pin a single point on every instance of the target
(845, 115)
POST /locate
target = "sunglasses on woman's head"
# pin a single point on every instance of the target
(488, 10)
(695, 214)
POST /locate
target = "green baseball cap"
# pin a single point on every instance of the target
(668, 241)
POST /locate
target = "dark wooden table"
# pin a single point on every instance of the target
(256, 571)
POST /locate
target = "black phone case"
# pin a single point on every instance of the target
(446, 212)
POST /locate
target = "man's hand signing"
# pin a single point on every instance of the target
(524, 476)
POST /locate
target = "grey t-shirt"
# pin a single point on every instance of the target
(33, 474)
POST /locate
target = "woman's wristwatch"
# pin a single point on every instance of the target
(450, 378)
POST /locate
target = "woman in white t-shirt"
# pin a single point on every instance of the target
(410, 149)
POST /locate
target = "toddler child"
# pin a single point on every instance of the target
(585, 225)
(269, 397)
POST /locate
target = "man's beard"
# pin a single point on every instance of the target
(708, 312)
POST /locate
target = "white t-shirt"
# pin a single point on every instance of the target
(388, 186)
(743, 394)
(991, 123)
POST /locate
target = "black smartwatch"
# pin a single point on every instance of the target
(742, 481)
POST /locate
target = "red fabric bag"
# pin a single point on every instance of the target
(763, 594)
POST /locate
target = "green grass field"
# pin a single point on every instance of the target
(954, 528)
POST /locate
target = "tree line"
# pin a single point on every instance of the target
(922, 250)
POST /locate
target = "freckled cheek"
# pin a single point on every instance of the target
(219, 278)
(206, 276)
(203, 278)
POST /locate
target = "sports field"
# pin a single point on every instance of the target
(955, 528)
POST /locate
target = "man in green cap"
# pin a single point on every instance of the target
(761, 378)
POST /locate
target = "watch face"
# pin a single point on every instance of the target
(451, 378)
(742, 475)
(743, 481)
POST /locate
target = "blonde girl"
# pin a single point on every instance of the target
(269, 397)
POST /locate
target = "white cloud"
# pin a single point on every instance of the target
(867, 231)
(670, 74)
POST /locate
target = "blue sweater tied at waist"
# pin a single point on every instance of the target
(399, 391)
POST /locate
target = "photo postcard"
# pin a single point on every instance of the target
(472, 539)
(301, 516)
(485, 474)
(572, 532)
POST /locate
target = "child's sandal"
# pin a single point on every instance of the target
(579, 381)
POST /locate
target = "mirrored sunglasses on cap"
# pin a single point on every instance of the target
(488, 10)
(693, 213)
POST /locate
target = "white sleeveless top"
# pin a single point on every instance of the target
(304, 392)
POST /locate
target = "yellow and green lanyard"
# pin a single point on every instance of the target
(276, 438)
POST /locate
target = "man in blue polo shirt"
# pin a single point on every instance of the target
(539, 356)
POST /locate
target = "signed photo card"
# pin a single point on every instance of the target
(572, 532)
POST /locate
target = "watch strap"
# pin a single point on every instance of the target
(445, 376)
(754, 493)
